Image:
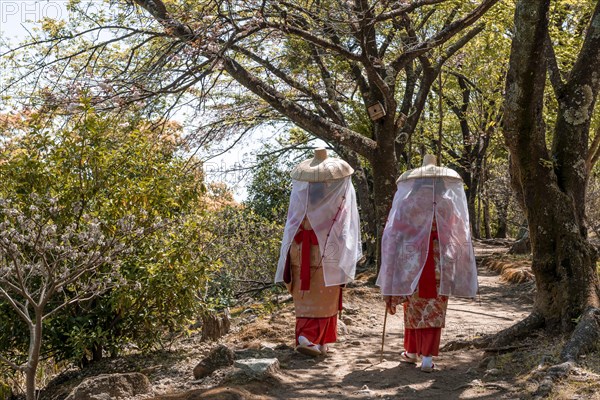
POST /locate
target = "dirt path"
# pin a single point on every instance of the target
(354, 370)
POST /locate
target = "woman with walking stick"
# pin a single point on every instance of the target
(427, 256)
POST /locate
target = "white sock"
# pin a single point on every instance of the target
(411, 355)
(324, 348)
(426, 362)
(303, 341)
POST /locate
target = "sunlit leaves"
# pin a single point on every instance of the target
(105, 176)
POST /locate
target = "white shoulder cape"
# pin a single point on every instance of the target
(405, 240)
(331, 210)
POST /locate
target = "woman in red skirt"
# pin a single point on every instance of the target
(320, 248)
(427, 256)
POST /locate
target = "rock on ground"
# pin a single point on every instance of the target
(258, 367)
(111, 386)
(221, 356)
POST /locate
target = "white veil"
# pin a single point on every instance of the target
(331, 210)
(405, 240)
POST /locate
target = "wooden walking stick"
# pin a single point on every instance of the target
(383, 334)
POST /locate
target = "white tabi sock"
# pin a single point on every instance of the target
(303, 341)
(426, 362)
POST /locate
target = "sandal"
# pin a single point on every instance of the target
(325, 349)
(404, 357)
(428, 369)
(309, 349)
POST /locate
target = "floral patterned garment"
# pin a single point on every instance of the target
(406, 238)
(427, 312)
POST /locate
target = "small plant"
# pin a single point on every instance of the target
(45, 267)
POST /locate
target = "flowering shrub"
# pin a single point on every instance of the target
(95, 222)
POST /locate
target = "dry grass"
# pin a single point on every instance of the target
(512, 269)
(528, 366)
(277, 329)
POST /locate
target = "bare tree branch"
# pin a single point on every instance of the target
(12, 364)
(298, 114)
(157, 9)
(553, 69)
(443, 36)
(459, 44)
(318, 100)
(406, 9)
(336, 111)
(18, 307)
(311, 38)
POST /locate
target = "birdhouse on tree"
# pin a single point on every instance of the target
(376, 111)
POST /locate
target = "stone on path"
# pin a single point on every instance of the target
(111, 386)
(258, 367)
(219, 357)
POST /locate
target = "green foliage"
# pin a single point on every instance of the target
(319, 79)
(5, 391)
(158, 297)
(243, 249)
(270, 188)
(107, 167)
(568, 22)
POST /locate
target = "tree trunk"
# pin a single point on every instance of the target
(385, 171)
(486, 219)
(367, 212)
(483, 197)
(501, 227)
(365, 204)
(473, 214)
(33, 359)
(215, 325)
(563, 260)
(522, 245)
(502, 216)
(564, 263)
(471, 180)
(97, 352)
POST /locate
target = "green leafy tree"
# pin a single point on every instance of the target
(45, 267)
(550, 167)
(270, 188)
(317, 65)
(245, 246)
(96, 215)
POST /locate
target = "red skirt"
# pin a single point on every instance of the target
(317, 330)
(424, 341)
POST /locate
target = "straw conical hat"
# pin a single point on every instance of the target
(321, 168)
(429, 170)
